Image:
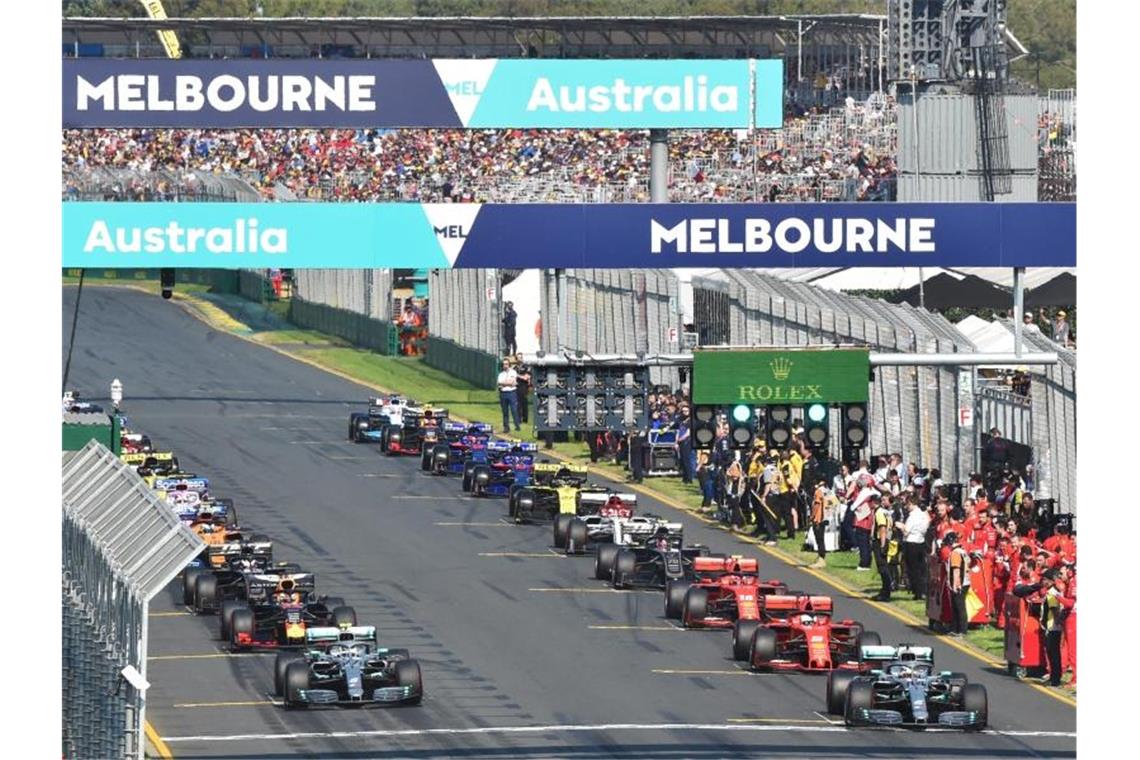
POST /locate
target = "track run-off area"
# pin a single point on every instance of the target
(523, 653)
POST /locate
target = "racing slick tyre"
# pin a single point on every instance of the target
(468, 468)
(762, 649)
(837, 681)
(189, 576)
(524, 504)
(408, 674)
(259, 538)
(384, 439)
(625, 565)
(561, 524)
(332, 602)
(975, 700)
(480, 479)
(604, 561)
(296, 680)
(343, 616)
(675, 598)
(439, 458)
(695, 607)
(742, 638)
(860, 696)
(231, 512)
(866, 639)
(353, 422)
(226, 616)
(205, 592)
(576, 536)
(241, 621)
(279, 665)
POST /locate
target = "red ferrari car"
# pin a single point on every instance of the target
(797, 632)
(722, 591)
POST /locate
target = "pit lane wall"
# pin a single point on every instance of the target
(121, 546)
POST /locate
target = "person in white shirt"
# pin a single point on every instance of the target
(914, 546)
(508, 382)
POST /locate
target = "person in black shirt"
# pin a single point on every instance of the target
(510, 321)
(523, 388)
(637, 446)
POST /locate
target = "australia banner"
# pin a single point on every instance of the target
(674, 235)
(442, 93)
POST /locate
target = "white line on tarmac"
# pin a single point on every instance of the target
(711, 727)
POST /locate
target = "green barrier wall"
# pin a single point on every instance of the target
(219, 280)
(362, 331)
(476, 367)
(76, 436)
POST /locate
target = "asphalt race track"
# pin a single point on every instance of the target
(523, 653)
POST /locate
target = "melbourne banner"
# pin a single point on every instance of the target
(826, 376)
(366, 235)
(477, 93)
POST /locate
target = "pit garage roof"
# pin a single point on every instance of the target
(550, 37)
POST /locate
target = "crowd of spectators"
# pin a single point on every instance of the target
(843, 153)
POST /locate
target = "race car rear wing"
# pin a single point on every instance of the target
(450, 426)
(721, 565)
(355, 634)
(147, 458)
(796, 603)
(904, 652)
(597, 500)
(182, 484)
(481, 428)
(546, 473)
(290, 582)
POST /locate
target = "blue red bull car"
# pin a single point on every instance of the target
(499, 467)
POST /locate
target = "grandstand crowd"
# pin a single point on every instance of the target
(841, 153)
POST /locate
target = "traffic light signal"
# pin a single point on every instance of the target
(703, 426)
(854, 426)
(741, 426)
(778, 427)
(166, 278)
(816, 426)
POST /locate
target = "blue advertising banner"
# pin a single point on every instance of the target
(318, 235)
(383, 93)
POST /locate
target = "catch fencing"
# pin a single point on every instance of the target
(354, 304)
(155, 184)
(121, 546)
(913, 410)
(613, 311)
(465, 330)
(1053, 395)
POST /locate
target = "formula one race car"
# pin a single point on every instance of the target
(273, 609)
(723, 591)
(418, 427)
(797, 632)
(506, 467)
(148, 462)
(648, 561)
(602, 518)
(554, 490)
(134, 443)
(343, 666)
(448, 455)
(228, 554)
(900, 687)
(369, 427)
